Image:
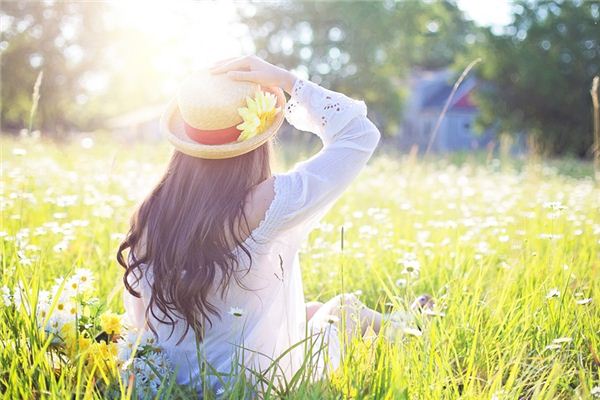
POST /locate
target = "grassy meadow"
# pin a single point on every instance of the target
(510, 253)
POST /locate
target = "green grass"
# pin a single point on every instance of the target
(492, 241)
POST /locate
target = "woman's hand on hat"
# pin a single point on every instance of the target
(257, 70)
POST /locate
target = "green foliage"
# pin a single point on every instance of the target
(59, 38)
(540, 72)
(93, 68)
(512, 257)
(364, 49)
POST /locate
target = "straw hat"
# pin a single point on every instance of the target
(201, 120)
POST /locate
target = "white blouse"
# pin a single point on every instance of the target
(273, 313)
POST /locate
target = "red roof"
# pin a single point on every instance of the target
(465, 101)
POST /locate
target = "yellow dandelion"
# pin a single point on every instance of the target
(102, 351)
(258, 115)
(68, 332)
(102, 358)
(78, 346)
(110, 323)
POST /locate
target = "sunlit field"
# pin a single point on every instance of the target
(510, 255)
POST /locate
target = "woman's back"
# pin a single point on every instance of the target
(263, 313)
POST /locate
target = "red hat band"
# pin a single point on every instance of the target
(217, 136)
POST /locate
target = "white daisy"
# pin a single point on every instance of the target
(583, 302)
(412, 331)
(562, 340)
(84, 275)
(6, 297)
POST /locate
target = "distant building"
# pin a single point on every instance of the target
(429, 91)
(140, 124)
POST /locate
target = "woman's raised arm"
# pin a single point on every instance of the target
(305, 193)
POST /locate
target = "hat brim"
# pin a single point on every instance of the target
(171, 125)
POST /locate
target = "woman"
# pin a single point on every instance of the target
(213, 264)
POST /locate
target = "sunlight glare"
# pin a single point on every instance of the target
(183, 35)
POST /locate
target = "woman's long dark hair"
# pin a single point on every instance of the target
(186, 226)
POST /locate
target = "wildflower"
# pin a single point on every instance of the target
(72, 286)
(103, 350)
(110, 323)
(6, 297)
(366, 231)
(81, 282)
(42, 311)
(141, 338)
(558, 343)
(412, 331)
(411, 268)
(17, 296)
(595, 391)
(562, 340)
(55, 323)
(551, 236)
(554, 292)
(79, 346)
(148, 339)
(433, 313)
(60, 246)
(101, 355)
(148, 371)
(583, 302)
(72, 310)
(553, 346)
(63, 303)
(75, 342)
(505, 265)
(554, 205)
(236, 312)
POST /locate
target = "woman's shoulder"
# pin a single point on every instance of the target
(259, 200)
(265, 207)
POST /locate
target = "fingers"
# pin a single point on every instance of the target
(240, 63)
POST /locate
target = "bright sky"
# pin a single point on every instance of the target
(494, 13)
(206, 31)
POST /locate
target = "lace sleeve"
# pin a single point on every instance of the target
(306, 192)
(321, 111)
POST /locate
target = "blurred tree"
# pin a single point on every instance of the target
(64, 39)
(364, 49)
(541, 71)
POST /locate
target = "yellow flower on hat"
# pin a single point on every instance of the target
(258, 115)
